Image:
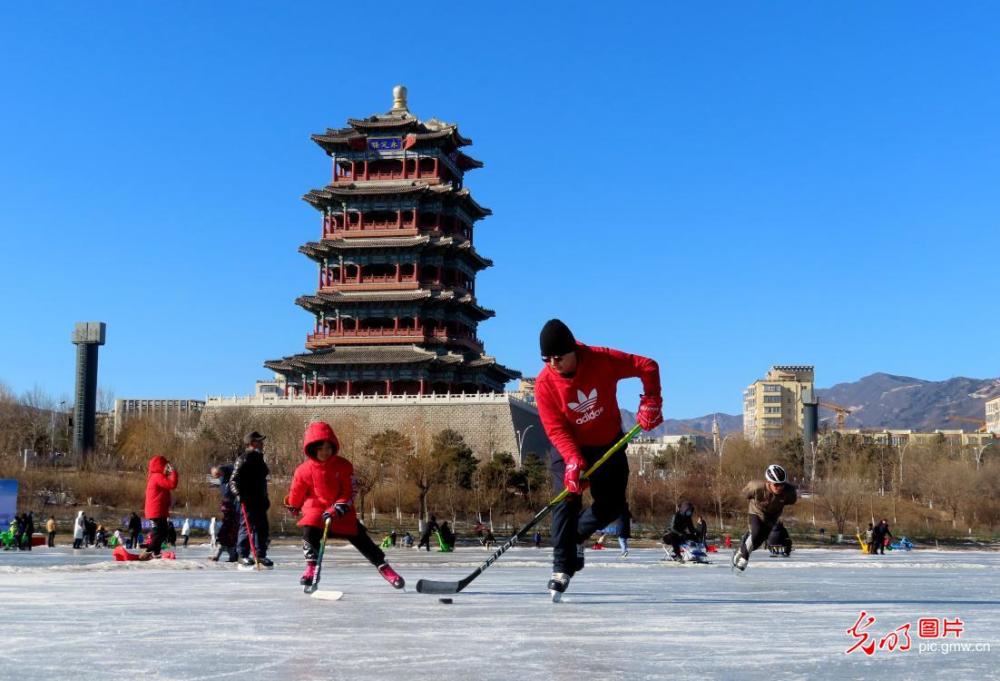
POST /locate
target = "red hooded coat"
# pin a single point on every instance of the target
(158, 488)
(318, 485)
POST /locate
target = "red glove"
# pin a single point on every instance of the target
(650, 412)
(575, 466)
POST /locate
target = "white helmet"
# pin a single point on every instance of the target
(775, 474)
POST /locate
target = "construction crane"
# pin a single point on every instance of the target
(980, 424)
(841, 412)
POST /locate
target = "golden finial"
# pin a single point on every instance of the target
(399, 98)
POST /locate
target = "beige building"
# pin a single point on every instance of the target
(772, 406)
(182, 414)
(993, 415)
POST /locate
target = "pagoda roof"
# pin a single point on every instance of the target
(362, 354)
(319, 249)
(321, 197)
(323, 299)
(397, 354)
(398, 121)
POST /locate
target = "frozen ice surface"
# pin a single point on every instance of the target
(82, 616)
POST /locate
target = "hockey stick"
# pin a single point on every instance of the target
(427, 586)
(246, 521)
(319, 559)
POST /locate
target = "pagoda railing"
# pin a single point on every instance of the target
(349, 336)
(521, 399)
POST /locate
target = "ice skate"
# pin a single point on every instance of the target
(558, 585)
(391, 576)
(307, 577)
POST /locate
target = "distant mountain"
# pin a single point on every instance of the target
(727, 423)
(877, 401)
(887, 401)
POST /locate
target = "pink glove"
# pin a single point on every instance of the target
(650, 412)
(575, 466)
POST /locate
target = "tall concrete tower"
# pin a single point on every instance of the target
(87, 336)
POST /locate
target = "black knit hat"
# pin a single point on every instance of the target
(556, 339)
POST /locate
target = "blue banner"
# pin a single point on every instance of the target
(385, 144)
(8, 502)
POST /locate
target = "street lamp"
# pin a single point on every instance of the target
(520, 443)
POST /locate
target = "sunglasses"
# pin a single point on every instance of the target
(555, 358)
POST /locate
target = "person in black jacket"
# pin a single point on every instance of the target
(134, 530)
(879, 535)
(425, 536)
(681, 530)
(249, 484)
(702, 530)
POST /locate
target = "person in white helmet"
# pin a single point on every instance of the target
(768, 498)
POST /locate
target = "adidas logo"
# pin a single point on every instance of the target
(585, 401)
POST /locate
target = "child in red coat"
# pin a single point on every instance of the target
(161, 480)
(323, 489)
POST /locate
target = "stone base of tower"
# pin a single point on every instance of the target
(490, 423)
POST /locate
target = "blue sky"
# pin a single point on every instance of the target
(721, 187)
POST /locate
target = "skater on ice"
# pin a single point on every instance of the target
(249, 484)
(768, 498)
(576, 394)
(322, 492)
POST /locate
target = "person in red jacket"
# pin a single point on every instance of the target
(162, 479)
(576, 394)
(323, 489)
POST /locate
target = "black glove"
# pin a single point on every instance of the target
(337, 510)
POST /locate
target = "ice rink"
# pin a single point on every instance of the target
(82, 616)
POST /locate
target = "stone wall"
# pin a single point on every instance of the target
(489, 423)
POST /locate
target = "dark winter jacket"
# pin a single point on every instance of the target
(158, 487)
(764, 504)
(249, 480)
(134, 524)
(682, 525)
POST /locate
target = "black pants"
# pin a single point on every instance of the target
(759, 529)
(133, 539)
(52, 539)
(257, 519)
(312, 536)
(675, 540)
(158, 535)
(571, 524)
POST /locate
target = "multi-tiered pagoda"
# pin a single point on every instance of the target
(395, 306)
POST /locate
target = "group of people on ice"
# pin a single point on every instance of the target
(877, 537)
(576, 395)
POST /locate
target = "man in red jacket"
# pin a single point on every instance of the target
(576, 393)
(162, 479)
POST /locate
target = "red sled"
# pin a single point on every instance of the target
(121, 553)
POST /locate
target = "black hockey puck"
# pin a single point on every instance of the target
(446, 601)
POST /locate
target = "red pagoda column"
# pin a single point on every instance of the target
(388, 386)
(421, 387)
(348, 387)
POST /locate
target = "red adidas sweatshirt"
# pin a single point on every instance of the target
(582, 410)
